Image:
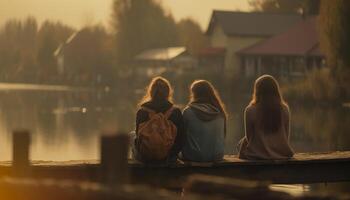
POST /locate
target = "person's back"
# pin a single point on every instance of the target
(174, 116)
(205, 124)
(159, 134)
(262, 144)
(204, 127)
(266, 121)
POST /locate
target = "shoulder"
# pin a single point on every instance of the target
(285, 109)
(250, 109)
(176, 116)
(250, 112)
(176, 110)
(141, 111)
(187, 111)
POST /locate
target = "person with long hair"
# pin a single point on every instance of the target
(158, 103)
(267, 123)
(205, 124)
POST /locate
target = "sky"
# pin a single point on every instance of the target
(78, 13)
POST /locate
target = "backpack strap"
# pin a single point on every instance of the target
(169, 112)
(150, 111)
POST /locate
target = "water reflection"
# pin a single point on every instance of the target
(331, 188)
(294, 190)
(66, 124)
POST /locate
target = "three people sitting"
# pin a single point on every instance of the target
(162, 131)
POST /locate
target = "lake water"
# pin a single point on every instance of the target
(66, 125)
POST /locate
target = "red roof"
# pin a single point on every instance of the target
(212, 51)
(300, 40)
(316, 51)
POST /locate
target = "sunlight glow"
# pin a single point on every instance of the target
(82, 12)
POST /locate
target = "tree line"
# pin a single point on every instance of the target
(27, 49)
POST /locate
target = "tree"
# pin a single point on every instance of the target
(26, 51)
(287, 6)
(335, 40)
(191, 36)
(335, 28)
(17, 49)
(50, 36)
(312, 7)
(139, 25)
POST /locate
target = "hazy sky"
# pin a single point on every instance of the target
(81, 12)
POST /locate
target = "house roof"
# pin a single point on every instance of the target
(299, 40)
(161, 54)
(252, 23)
(316, 51)
(212, 51)
(60, 48)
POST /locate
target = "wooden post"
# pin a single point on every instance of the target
(21, 144)
(114, 160)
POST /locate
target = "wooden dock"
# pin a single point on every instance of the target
(303, 168)
(115, 168)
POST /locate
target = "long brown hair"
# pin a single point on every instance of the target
(269, 101)
(159, 89)
(203, 91)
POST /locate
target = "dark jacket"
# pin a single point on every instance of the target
(175, 117)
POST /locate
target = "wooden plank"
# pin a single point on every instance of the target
(304, 168)
(233, 160)
(338, 156)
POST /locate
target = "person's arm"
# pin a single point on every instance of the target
(248, 124)
(177, 118)
(248, 134)
(287, 121)
(225, 128)
(141, 116)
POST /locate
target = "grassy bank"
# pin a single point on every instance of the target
(319, 87)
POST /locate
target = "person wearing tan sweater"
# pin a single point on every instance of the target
(267, 123)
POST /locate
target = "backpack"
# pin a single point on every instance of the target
(156, 136)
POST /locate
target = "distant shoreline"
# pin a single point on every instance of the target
(40, 87)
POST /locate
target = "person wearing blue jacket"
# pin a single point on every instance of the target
(205, 124)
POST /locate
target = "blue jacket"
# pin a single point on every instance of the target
(205, 133)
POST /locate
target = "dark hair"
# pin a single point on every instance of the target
(203, 91)
(158, 90)
(269, 101)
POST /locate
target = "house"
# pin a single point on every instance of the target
(84, 58)
(229, 32)
(59, 54)
(291, 53)
(154, 62)
(212, 59)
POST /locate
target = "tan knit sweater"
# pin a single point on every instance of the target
(260, 145)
